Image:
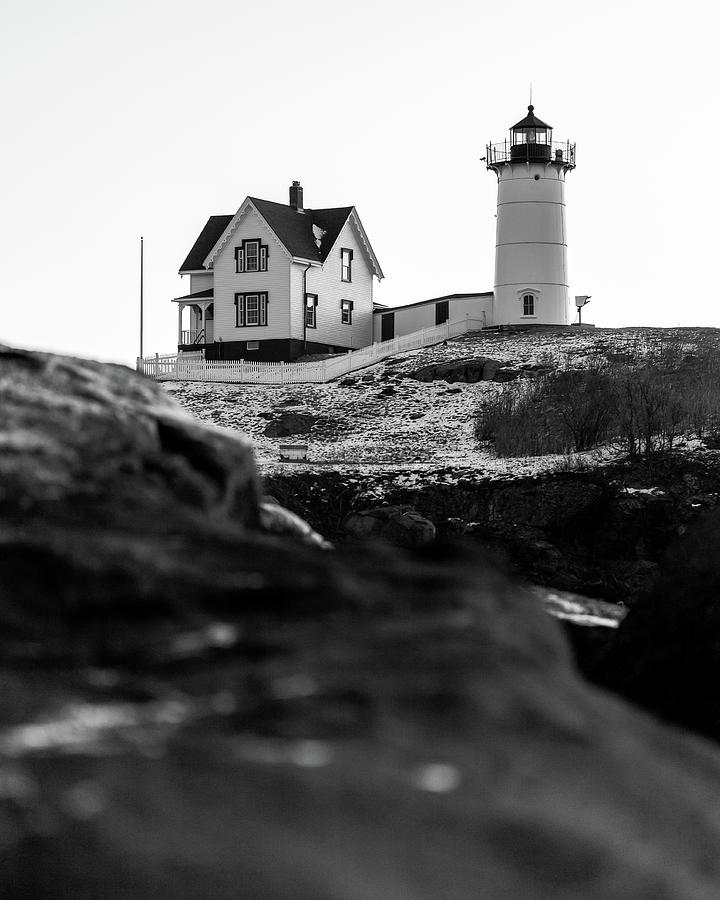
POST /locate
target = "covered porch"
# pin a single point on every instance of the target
(196, 327)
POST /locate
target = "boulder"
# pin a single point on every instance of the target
(289, 423)
(194, 708)
(469, 370)
(490, 369)
(97, 444)
(401, 525)
(666, 655)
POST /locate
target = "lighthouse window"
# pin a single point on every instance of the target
(528, 305)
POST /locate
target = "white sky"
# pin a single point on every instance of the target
(146, 116)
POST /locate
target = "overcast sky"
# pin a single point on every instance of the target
(147, 116)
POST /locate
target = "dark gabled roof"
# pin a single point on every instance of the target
(531, 121)
(331, 221)
(207, 294)
(214, 227)
(295, 229)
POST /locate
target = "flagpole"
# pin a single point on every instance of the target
(141, 297)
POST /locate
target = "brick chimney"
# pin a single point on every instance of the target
(296, 196)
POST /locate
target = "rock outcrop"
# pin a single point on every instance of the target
(400, 525)
(468, 370)
(666, 656)
(289, 423)
(195, 708)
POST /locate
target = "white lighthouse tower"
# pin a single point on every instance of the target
(531, 280)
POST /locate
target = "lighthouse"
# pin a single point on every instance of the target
(531, 279)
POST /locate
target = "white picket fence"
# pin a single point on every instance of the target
(174, 367)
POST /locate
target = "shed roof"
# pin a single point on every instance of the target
(378, 308)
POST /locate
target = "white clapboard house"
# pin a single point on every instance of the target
(275, 282)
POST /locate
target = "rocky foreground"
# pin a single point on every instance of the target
(202, 702)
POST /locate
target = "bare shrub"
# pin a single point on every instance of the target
(518, 422)
(557, 413)
(641, 398)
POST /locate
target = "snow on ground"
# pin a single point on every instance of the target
(422, 426)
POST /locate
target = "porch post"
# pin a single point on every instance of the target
(203, 309)
(180, 309)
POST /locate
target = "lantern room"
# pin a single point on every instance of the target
(531, 138)
(531, 141)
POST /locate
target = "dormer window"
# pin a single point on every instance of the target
(251, 256)
(346, 264)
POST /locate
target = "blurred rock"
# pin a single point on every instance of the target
(193, 708)
(666, 656)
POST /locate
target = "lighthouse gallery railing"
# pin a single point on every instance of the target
(554, 152)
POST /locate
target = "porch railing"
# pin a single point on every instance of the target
(192, 337)
(192, 367)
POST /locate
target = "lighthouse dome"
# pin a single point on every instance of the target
(530, 138)
(531, 121)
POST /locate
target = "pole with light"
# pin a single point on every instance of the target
(579, 303)
(141, 298)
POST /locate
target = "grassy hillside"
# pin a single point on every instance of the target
(382, 417)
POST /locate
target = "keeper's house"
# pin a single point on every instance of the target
(275, 282)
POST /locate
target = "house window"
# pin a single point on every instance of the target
(346, 264)
(252, 252)
(528, 305)
(346, 308)
(252, 345)
(252, 256)
(251, 310)
(311, 301)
